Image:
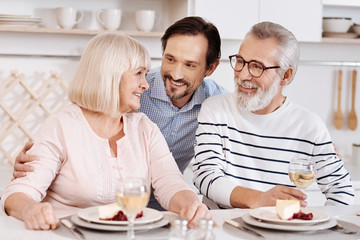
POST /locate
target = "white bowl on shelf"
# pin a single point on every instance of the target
(356, 28)
(336, 24)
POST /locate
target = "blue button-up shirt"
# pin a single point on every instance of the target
(177, 125)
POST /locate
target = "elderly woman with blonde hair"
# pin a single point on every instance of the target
(87, 146)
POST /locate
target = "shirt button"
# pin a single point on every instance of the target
(172, 134)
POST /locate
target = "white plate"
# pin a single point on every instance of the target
(79, 222)
(13, 16)
(91, 215)
(268, 214)
(19, 22)
(33, 19)
(296, 228)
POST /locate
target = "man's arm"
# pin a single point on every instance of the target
(20, 168)
(331, 176)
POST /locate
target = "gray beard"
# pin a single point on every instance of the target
(258, 101)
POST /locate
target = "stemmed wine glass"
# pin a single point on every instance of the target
(301, 172)
(132, 195)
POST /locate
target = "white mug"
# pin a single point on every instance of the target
(67, 17)
(145, 20)
(89, 21)
(110, 19)
(48, 16)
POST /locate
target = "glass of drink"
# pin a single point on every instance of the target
(301, 173)
(132, 195)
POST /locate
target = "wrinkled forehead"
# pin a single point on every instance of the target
(262, 50)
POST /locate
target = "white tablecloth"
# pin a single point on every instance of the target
(11, 228)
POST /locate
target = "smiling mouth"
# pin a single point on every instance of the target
(247, 85)
(177, 83)
(137, 94)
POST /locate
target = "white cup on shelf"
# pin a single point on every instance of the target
(110, 19)
(145, 20)
(89, 21)
(48, 16)
(67, 17)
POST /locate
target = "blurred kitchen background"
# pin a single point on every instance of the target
(38, 58)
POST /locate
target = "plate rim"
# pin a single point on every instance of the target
(81, 214)
(117, 228)
(248, 219)
(292, 222)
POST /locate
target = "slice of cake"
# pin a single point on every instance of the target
(108, 211)
(285, 209)
(112, 212)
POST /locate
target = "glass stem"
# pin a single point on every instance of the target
(130, 232)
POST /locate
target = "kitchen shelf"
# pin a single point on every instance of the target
(341, 40)
(18, 29)
(21, 29)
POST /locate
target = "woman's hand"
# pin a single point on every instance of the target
(187, 205)
(195, 211)
(40, 216)
(36, 216)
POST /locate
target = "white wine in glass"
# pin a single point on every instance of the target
(301, 173)
(132, 195)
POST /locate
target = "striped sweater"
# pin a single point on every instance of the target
(239, 148)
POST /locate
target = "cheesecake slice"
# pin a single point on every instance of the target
(112, 212)
(108, 211)
(285, 209)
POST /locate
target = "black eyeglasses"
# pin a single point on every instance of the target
(255, 68)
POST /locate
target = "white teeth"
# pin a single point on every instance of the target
(247, 85)
(137, 94)
(177, 83)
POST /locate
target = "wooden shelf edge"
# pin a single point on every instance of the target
(340, 40)
(20, 29)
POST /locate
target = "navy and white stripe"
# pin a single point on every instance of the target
(235, 147)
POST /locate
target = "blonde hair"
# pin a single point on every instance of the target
(105, 59)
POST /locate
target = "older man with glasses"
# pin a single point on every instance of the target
(246, 139)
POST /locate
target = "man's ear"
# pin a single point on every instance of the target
(286, 77)
(212, 68)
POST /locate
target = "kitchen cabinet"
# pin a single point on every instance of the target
(235, 17)
(343, 8)
(302, 17)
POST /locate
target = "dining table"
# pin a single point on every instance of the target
(347, 218)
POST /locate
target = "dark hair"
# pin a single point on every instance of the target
(193, 26)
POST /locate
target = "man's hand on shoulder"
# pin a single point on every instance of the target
(20, 168)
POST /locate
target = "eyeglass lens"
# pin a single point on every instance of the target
(254, 68)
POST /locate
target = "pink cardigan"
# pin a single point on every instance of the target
(76, 169)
